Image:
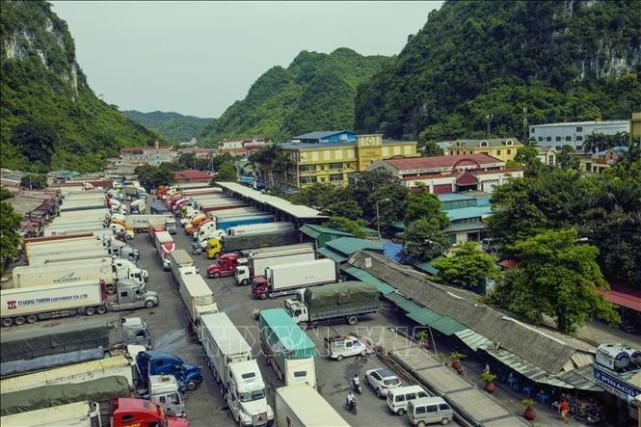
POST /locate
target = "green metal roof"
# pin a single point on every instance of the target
(464, 226)
(364, 276)
(426, 317)
(427, 268)
(349, 245)
(314, 230)
(400, 225)
(333, 255)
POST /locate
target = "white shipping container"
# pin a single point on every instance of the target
(196, 295)
(223, 343)
(27, 277)
(80, 255)
(78, 414)
(301, 405)
(272, 227)
(301, 274)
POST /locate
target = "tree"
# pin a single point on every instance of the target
(269, 159)
(469, 266)
(5, 194)
(567, 158)
(423, 240)
(556, 276)
(226, 173)
(425, 205)
(37, 140)
(529, 157)
(9, 237)
(431, 149)
(34, 182)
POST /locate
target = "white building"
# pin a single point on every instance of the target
(574, 133)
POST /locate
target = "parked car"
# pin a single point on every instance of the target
(381, 380)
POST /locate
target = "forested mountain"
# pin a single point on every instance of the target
(50, 117)
(562, 60)
(315, 92)
(172, 126)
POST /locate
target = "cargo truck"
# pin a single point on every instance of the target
(138, 206)
(198, 299)
(165, 245)
(170, 225)
(141, 223)
(333, 303)
(28, 305)
(75, 255)
(225, 223)
(287, 349)
(302, 405)
(211, 223)
(246, 230)
(230, 359)
(182, 263)
(158, 209)
(109, 270)
(219, 245)
(285, 279)
(80, 414)
(154, 362)
(258, 260)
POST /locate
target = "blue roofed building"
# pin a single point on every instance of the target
(326, 136)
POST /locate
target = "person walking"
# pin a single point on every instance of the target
(565, 409)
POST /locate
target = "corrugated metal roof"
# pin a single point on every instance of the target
(314, 231)
(349, 245)
(335, 256)
(474, 340)
(467, 213)
(427, 268)
(364, 276)
(464, 226)
(321, 134)
(424, 316)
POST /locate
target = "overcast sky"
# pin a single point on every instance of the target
(197, 58)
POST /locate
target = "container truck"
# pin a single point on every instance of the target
(286, 279)
(230, 359)
(218, 245)
(302, 405)
(141, 223)
(246, 230)
(81, 255)
(249, 219)
(154, 362)
(106, 269)
(28, 305)
(215, 207)
(138, 206)
(165, 245)
(79, 414)
(333, 303)
(258, 259)
(214, 219)
(54, 244)
(198, 299)
(194, 223)
(158, 209)
(224, 266)
(287, 348)
(182, 263)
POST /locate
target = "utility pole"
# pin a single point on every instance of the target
(489, 118)
(525, 130)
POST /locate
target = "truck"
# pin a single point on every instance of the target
(286, 348)
(155, 362)
(165, 245)
(120, 249)
(140, 223)
(333, 303)
(285, 279)
(215, 218)
(182, 263)
(158, 209)
(170, 225)
(302, 405)
(194, 223)
(31, 242)
(198, 299)
(76, 255)
(138, 206)
(79, 414)
(61, 246)
(218, 245)
(246, 230)
(218, 206)
(28, 305)
(231, 361)
(258, 260)
(224, 266)
(109, 270)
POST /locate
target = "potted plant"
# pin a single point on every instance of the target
(489, 378)
(421, 336)
(456, 357)
(530, 413)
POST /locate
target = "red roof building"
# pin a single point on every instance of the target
(191, 175)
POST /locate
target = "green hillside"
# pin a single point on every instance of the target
(173, 127)
(316, 91)
(50, 117)
(563, 61)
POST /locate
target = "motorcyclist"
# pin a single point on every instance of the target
(350, 401)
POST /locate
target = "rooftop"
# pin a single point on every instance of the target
(321, 134)
(593, 122)
(418, 163)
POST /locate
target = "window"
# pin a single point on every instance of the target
(568, 138)
(540, 138)
(306, 168)
(579, 138)
(336, 177)
(444, 407)
(431, 409)
(307, 179)
(498, 152)
(533, 130)
(411, 396)
(558, 138)
(549, 138)
(400, 398)
(420, 409)
(579, 129)
(509, 152)
(335, 166)
(300, 374)
(323, 179)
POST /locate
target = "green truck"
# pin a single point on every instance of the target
(286, 347)
(333, 303)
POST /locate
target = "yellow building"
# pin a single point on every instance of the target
(501, 148)
(635, 129)
(334, 162)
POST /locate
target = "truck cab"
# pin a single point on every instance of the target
(130, 412)
(340, 346)
(156, 362)
(214, 247)
(297, 311)
(130, 295)
(126, 269)
(164, 391)
(243, 273)
(134, 332)
(224, 266)
(260, 287)
(246, 395)
(170, 225)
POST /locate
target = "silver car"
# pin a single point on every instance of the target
(381, 380)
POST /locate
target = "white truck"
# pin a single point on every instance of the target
(259, 259)
(165, 245)
(141, 221)
(79, 414)
(110, 270)
(287, 278)
(230, 359)
(198, 298)
(302, 405)
(138, 206)
(28, 305)
(73, 255)
(182, 263)
(246, 230)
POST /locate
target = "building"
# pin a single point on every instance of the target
(547, 155)
(326, 136)
(574, 133)
(500, 148)
(334, 162)
(635, 129)
(450, 174)
(241, 147)
(601, 160)
(153, 156)
(191, 175)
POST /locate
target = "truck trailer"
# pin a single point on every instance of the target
(28, 305)
(230, 359)
(302, 405)
(165, 245)
(288, 350)
(285, 279)
(218, 245)
(258, 260)
(246, 230)
(333, 303)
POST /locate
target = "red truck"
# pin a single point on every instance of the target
(224, 266)
(130, 412)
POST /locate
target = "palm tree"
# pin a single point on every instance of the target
(269, 159)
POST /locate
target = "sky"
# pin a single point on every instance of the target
(197, 57)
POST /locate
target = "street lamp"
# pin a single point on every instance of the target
(378, 218)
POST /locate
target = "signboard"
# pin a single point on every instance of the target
(614, 385)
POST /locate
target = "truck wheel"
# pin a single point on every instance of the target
(90, 311)
(263, 296)
(400, 412)
(19, 320)
(352, 320)
(149, 304)
(7, 322)
(101, 310)
(129, 237)
(191, 385)
(31, 319)
(244, 282)
(111, 289)
(303, 326)
(339, 357)
(216, 275)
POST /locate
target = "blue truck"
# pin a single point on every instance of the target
(154, 362)
(158, 209)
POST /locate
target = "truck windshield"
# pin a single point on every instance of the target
(252, 395)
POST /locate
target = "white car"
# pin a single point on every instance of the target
(381, 380)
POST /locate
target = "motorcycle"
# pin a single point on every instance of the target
(350, 405)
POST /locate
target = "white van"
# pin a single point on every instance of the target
(398, 398)
(429, 410)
